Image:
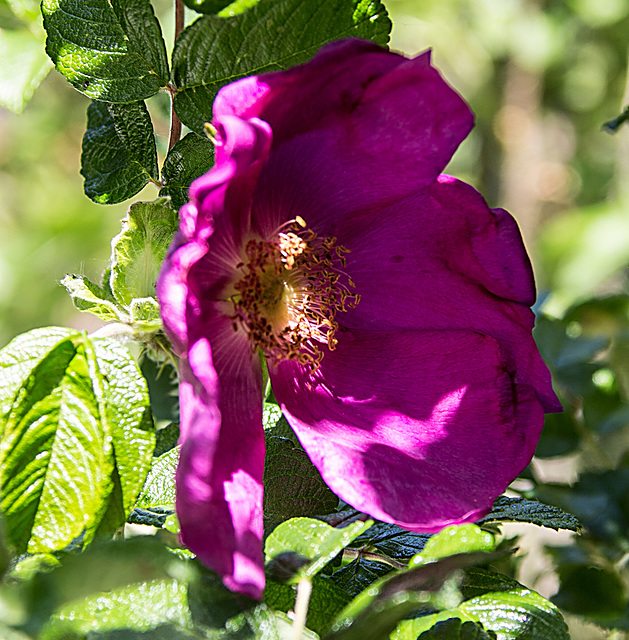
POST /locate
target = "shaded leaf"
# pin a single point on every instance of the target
(507, 509)
(392, 540)
(190, 158)
(360, 574)
(292, 484)
(119, 156)
(272, 35)
(110, 51)
(207, 6)
(455, 629)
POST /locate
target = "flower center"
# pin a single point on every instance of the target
(292, 287)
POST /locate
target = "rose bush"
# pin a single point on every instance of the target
(391, 303)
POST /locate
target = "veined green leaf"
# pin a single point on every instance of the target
(139, 250)
(316, 542)
(119, 156)
(272, 35)
(190, 158)
(77, 422)
(110, 50)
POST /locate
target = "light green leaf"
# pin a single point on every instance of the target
(159, 487)
(139, 249)
(88, 296)
(272, 35)
(311, 539)
(119, 156)
(55, 452)
(20, 357)
(159, 607)
(145, 314)
(25, 65)
(110, 51)
(78, 423)
(507, 509)
(190, 158)
(465, 538)
(127, 406)
(518, 614)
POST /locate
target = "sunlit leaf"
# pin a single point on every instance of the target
(110, 51)
(272, 35)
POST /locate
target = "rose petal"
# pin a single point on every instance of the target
(211, 228)
(219, 477)
(443, 260)
(357, 127)
(419, 428)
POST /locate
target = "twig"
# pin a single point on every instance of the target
(304, 589)
(175, 123)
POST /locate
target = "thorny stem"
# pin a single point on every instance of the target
(304, 589)
(175, 123)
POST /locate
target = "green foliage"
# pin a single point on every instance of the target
(507, 509)
(128, 289)
(292, 484)
(207, 6)
(112, 52)
(190, 158)
(71, 424)
(311, 540)
(119, 155)
(272, 35)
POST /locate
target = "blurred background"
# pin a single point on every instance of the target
(543, 77)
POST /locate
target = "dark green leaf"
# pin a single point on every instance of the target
(599, 500)
(613, 125)
(276, 425)
(139, 250)
(190, 158)
(315, 541)
(109, 50)
(360, 574)
(374, 613)
(590, 591)
(455, 629)
(166, 439)
(163, 391)
(392, 541)
(119, 156)
(272, 35)
(292, 484)
(207, 6)
(523, 510)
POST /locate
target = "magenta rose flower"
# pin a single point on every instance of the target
(392, 306)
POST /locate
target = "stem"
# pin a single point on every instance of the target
(304, 589)
(175, 123)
